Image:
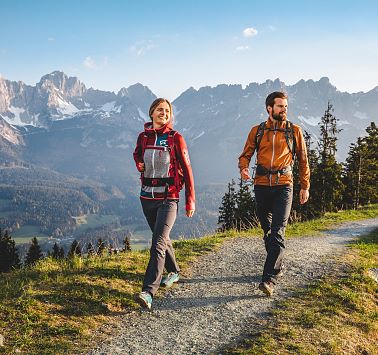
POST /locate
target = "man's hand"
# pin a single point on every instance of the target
(303, 196)
(245, 174)
(140, 167)
(189, 213)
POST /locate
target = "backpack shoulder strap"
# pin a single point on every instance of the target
(171, 137)
(290, 138)
(143, 142)
(171, 144)
(259, 135)
(178, 175)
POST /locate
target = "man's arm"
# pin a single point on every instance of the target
(304, 168)
(246, 155)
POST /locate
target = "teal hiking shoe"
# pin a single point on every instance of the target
(170, 279)
(145, 299)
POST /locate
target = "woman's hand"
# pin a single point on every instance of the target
(140, 167)
(189, 213)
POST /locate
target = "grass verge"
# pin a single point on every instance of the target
(55, 306)
(337, 315)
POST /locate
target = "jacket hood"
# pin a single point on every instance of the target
(166, 128)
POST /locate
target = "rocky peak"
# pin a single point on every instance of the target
(138, 94)
(135, 90)
(8, 133)
(4, 95)
(58, 81)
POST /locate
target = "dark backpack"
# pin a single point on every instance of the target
(289, 136)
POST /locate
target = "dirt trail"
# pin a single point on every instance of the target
(220, 304)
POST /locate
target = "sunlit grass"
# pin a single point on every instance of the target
(56, 305)
(337, 315)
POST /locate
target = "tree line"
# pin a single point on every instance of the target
(10, 259)
(50, 208)
(334, 186)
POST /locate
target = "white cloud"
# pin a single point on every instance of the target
(142, 47)
(242, 48)
(89, 63)
(249, 32)
(51, 39)
(272, 28)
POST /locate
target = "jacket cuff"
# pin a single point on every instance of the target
(190, 206)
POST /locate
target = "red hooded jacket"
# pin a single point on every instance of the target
(158, 138)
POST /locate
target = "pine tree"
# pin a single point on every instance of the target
(328, 187)
(226, 217)
(127, 243)
(100, 247)
(369, 193)
(308, 210)
(361, 170)
(55, 251)
(61, 253)
(90, 249)
(75, 250)
(34, 253)
(9, 258)
(245, 213)
(353, 174)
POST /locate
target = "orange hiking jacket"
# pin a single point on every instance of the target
(274, 154)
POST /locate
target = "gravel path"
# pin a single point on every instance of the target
(220, 304)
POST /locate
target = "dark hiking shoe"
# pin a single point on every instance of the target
(145, 299)
(267, 287)
(170, 279)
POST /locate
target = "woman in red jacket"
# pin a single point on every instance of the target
(162, 158)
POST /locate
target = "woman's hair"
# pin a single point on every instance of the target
(156, 103)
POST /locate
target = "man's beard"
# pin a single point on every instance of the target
(279, 117)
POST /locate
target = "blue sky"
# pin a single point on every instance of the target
(173, 45)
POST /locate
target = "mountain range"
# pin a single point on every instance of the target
(90, 134)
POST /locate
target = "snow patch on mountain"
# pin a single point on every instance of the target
(16, 120)
(8, 132)
(66, 108)
(108, 107)
(143, 115)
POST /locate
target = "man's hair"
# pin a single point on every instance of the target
(269, 101)
(156, 103)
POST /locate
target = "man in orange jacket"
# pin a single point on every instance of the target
(275, 142)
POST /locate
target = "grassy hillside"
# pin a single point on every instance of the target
(57, 305)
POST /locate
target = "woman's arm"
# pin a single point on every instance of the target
(183, 158)
(138, 154)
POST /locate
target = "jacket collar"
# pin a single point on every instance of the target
(166, 128)
(279, 124)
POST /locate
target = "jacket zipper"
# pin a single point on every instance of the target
(271, 162)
